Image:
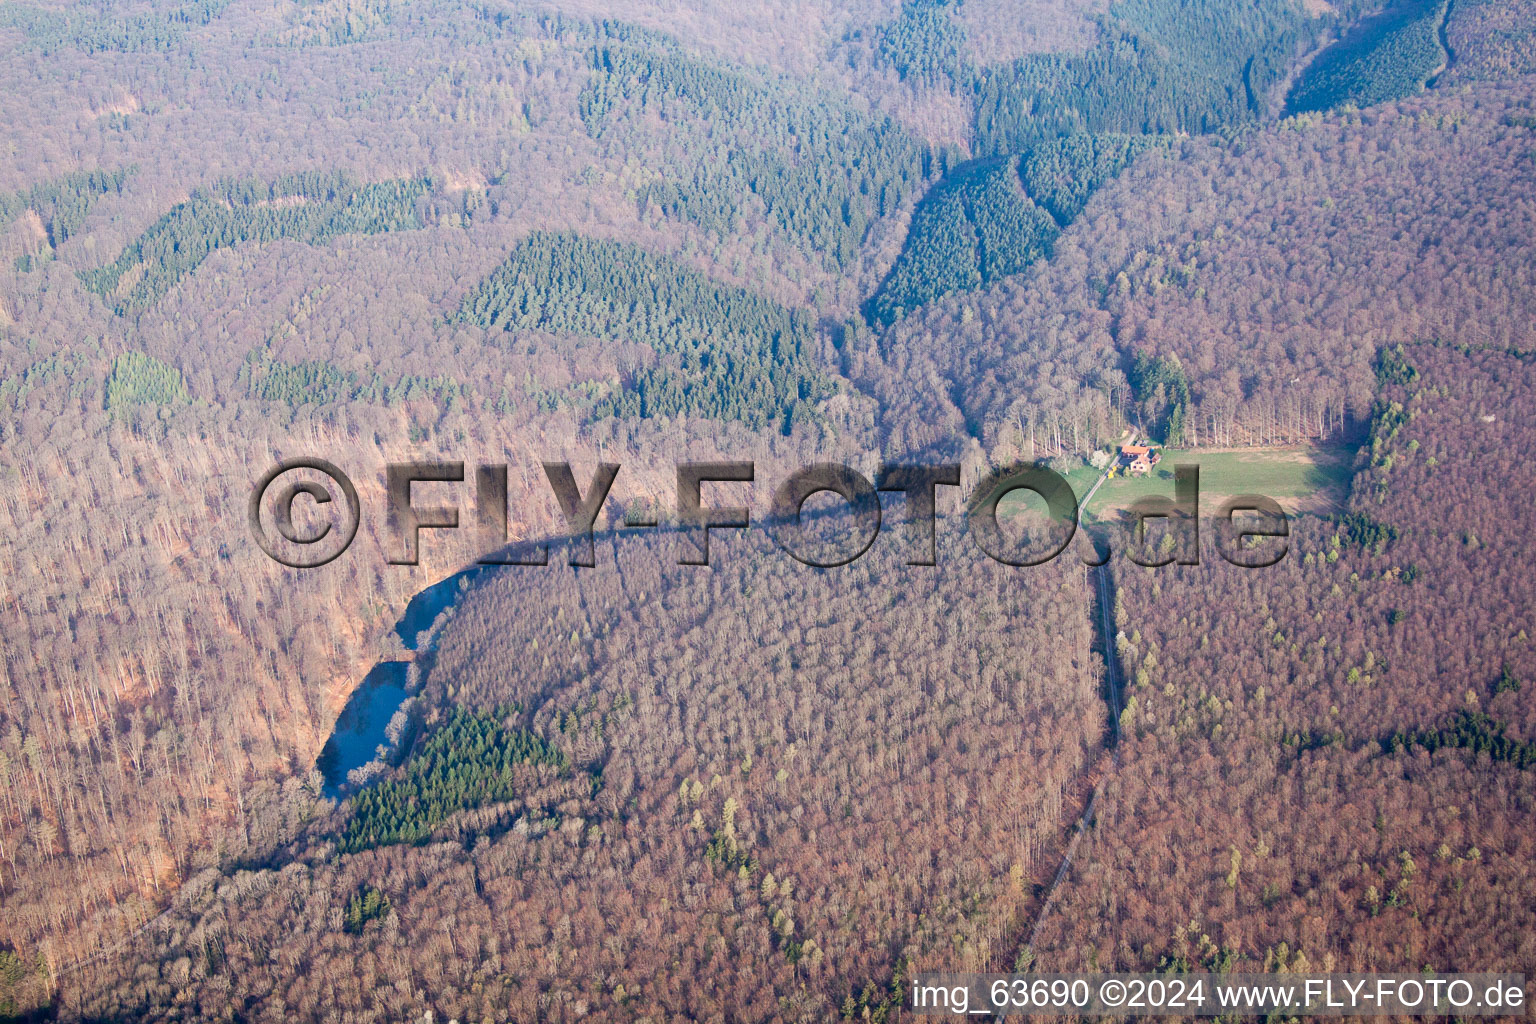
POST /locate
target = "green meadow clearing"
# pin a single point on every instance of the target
(1303, 480)
(1300, 479)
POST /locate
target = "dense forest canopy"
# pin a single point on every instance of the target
(973, 228)
(1158, 67)
(1384, 58)
(311, 207)
(62, 203)
(1074, 121)
(721, 351)
(783, 785)
(926, 43)
(820, 170)
(95, 28)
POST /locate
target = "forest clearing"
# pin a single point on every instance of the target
(1307, 479)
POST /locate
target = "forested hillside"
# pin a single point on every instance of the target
(62, 203)
(1076, 120)
(1295, 792)
(1387, 225)
(1489, 40)
(1189, 67)
(720, 351)
(1386, 57)
(307, 207)
(820, 171)
(93, 30)
(973, 228)
(749, 789)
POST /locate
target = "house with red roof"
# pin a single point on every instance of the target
(1138, 459)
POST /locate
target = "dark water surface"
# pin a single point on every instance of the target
(360, 729)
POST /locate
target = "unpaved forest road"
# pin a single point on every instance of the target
(1100, 576)
(1082, 506)
(1108, 761)
(116, 947)
(1099, 580)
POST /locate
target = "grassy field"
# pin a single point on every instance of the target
(1303, 480)
(1300, 479)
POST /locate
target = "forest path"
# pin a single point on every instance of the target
(117, 947)
(1100, 772)
(1091, 782)
(1083, 505)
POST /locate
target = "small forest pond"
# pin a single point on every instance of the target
(362, 728)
